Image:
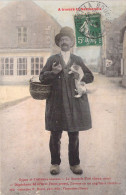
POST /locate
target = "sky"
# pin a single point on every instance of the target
(65, 18)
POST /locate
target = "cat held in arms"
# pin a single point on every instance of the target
(80, 85)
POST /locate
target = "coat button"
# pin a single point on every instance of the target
(59, 77)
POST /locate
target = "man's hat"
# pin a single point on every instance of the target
(65, 31)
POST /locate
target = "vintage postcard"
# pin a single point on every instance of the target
(62, 97)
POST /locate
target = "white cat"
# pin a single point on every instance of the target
(80, 85)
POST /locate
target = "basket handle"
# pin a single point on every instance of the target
(31, 80)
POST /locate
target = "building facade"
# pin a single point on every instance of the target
(112, 49)
(27, 39)
(123, 41)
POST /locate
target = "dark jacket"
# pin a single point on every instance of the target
(63, 110)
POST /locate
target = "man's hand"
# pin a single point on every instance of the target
(56, 68)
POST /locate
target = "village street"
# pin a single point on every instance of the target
(25, 152)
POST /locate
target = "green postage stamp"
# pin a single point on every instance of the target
(88, 29)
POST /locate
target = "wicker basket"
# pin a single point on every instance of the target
(39, 91)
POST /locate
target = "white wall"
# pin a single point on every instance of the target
(5, 79)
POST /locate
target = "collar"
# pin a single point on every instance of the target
(66, 56)
(65, 53)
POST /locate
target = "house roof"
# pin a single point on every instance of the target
(40, 25)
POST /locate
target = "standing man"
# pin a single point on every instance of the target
(64, 112)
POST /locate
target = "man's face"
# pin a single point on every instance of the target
(65, 43)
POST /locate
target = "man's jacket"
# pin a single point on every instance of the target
(63, 110)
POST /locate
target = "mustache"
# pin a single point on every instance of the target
(64, 44)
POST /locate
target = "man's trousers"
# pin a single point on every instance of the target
(73, 147)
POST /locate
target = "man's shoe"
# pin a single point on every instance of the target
(54, 169)
(76, 169)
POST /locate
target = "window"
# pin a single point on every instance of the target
(47, 30)
(22, 66)
(22, 34)
(36, 65)
(6, 66)
(47, 36)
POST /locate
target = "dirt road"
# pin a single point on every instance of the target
(25, 153)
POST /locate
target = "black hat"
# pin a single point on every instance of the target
(65, 31)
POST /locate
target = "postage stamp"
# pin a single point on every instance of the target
(88, 29)
(92, 21)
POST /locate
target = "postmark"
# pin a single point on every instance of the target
(91, 20)
(91, 8)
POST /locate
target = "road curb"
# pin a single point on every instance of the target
(12, 103)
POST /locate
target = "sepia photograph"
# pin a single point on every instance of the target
(62, 97)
